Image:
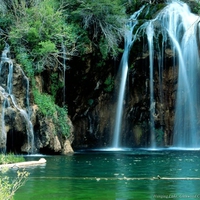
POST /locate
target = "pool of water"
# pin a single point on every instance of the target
(115, 175)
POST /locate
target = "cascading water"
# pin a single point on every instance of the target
(179, 29)
(129, 40)
(186, 41)
(175, 28)
(27, 115)
(6, 92)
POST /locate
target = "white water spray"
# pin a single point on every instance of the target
(129, 40)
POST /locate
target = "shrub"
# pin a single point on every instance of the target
(40, 32)
(109, 83)
(55, 84)
(24, 59)
(48, 108)
(10, 158)
(62, 120)
(9, 186)
(45, 103)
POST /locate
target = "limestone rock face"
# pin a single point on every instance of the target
(13, 109)
(47, 140)
(22, 128)
(67, 147)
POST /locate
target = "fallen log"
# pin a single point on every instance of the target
(24, 164)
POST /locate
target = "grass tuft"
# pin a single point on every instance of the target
(10, 158)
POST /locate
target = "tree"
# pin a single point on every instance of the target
(39, 31)
(104, 21)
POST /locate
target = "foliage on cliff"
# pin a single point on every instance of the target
(42, 28)
(45, 33)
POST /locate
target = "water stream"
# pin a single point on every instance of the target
(7, 93)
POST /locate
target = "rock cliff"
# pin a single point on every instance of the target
(94, 123)
(22, 127)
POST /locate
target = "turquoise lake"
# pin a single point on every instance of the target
(118, 175)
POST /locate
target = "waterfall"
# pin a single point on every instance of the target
(179, 29)
(123, 70)
(9, 96)
(150, 34)
(27, 115)
(182, 29)
(118, 119)
(186, 128)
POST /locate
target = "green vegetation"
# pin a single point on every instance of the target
(196, 8)
(109, 84)
(48, 108)
(61, 120)
(37, 31)
(8, 185)
(24, 59)
(42, 33)
(55, 84)
(10, 158)
(103, 20)
(45, 103)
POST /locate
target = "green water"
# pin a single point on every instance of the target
(115, 176)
